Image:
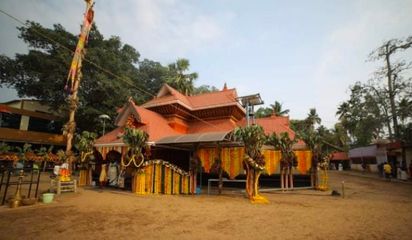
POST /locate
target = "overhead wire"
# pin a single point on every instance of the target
(127, 81)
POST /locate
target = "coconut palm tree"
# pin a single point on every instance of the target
(288, 159)
(313, 118)
(253, 138)
(343, 110)
(277, 109)
(183, 82)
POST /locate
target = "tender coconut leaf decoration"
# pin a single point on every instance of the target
(136, 140)
(253, 138)
(166, 164)
(283, 143)
(84, 143)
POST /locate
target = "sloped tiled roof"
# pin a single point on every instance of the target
(168, 95)
(155, 125)
(112, 137)
(152, 123)
(212, 126)
(213, 99)
(272, 124)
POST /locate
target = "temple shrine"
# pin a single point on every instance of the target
(184, 128)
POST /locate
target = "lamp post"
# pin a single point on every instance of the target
(104, 117)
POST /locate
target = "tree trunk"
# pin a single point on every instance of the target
(248, 188)
(314, 177)
(282, 182)
(391, 93)
(286, 176)
(291, 177)
(220, 179)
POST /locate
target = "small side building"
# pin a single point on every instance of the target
(29, 121)
(371, 158)
(340, 158)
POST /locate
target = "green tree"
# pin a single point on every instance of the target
(152, 75)
(405, 110)
(298, 125)
(263, 112)
(179, 79)
(111, 72)
(313, 118)
(364, 115)
(278, 110)
(43, 71)
(205, 89)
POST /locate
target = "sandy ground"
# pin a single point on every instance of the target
(372, 209)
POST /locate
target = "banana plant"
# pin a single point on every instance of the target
(253, 138)
(136, 140)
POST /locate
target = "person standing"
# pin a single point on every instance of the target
(388, 170)
(103, 175)
(113, 174)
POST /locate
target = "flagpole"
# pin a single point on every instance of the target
(74, 78)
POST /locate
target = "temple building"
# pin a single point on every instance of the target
(181, 126)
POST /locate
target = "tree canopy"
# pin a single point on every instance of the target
(112, 72)
(381, 108)
(275, 109)
(179, 79)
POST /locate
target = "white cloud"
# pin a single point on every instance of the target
(162, 30)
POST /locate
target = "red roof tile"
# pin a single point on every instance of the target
(213, 98)
(272, 124)
(155, 125)
(152, 123)
(168, 95)
(212, 126)
(112, 137)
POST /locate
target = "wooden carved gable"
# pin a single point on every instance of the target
(132, 122)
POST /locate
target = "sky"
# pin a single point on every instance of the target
(304, 54)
